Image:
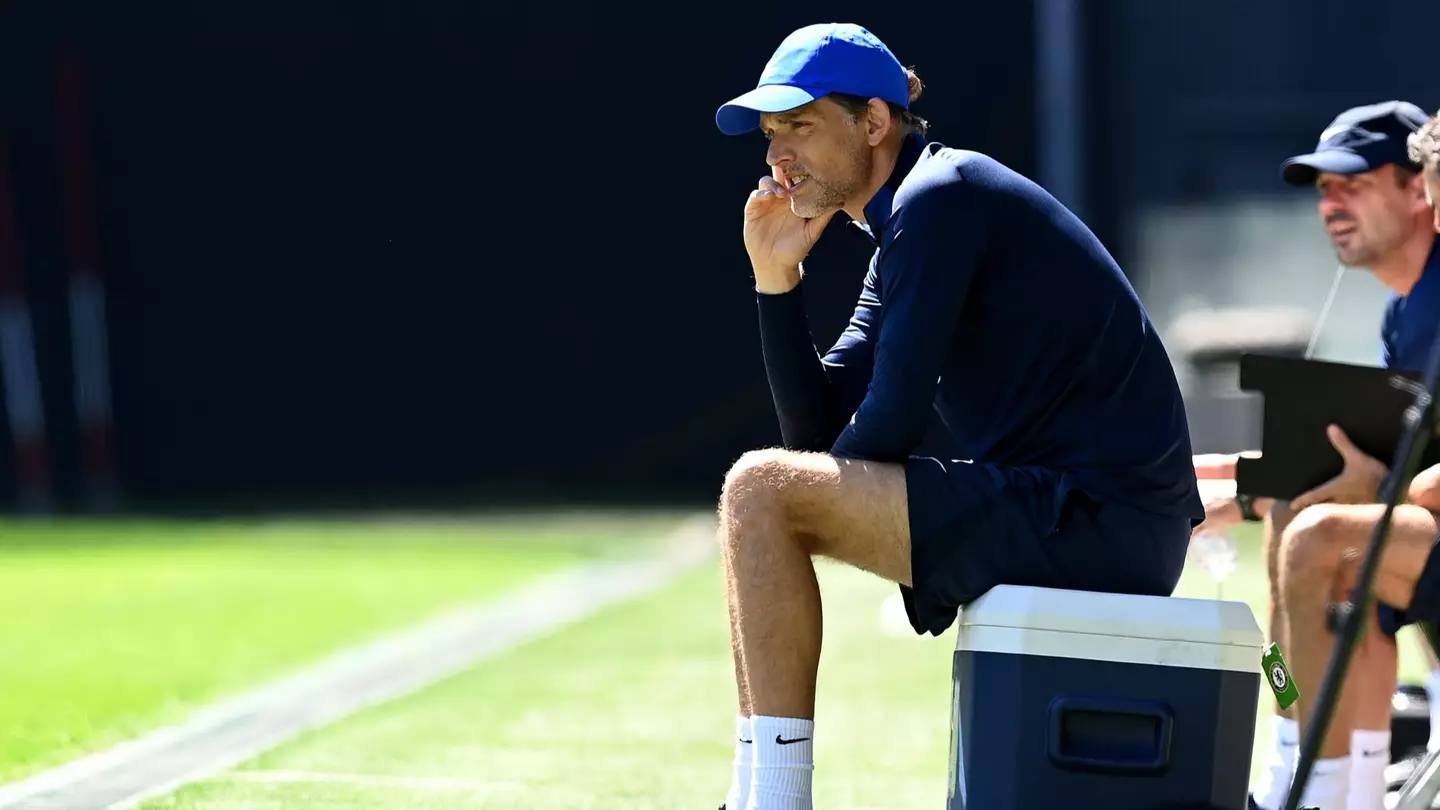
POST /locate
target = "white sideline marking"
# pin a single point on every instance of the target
(477, 788)
(237, 729)
(369, 780)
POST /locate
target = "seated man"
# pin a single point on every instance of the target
(1326, 531)
(1320, 550)
(986, 301)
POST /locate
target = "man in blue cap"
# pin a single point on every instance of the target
(1373, 206)
(986, 301)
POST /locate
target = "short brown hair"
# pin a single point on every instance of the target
(856, 105)
(1424, 144)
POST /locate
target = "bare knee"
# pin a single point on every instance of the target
(755, 492)
(1314, 550)
(756, 479)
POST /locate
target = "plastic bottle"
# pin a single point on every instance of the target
(1216, 552)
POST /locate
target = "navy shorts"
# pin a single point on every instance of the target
(975, 526)
(1424, 605)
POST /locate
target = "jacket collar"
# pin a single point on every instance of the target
(880, 207)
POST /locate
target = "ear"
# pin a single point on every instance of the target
(1421, 196)
(878, 121)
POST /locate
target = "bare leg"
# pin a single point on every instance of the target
(778, 509)
(1275, 524)
(737, 654)
(1364, 702)
(1370, 682)
(1315, 549)
(1285, 743)
(1374, 668)
(742, 767)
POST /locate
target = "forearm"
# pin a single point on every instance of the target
(805, 399)
(889, 424)
(1225, 509)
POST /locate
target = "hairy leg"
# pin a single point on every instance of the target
(1313, 556)
(1275, 524)
(1371, 681)
(778, 509)
(742, 687)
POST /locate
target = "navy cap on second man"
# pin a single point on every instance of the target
(1360, 139)
(815, 61)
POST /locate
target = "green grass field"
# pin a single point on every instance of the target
(109, 630)
(630, 709)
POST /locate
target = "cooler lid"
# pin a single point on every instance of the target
(1159, 618)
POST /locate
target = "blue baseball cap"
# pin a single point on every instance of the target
(815, 61)
(1361, 139)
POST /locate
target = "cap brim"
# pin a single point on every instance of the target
(742, 113)
(1303, 169)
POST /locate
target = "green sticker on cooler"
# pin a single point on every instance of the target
(1277, 674)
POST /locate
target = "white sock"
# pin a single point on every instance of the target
(1432, 691)
(1369, 756)
(784, 751)
(1280, 764)
(1329, 785)
(744, 759)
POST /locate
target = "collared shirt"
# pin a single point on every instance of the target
(1407, 330)
(988, 302)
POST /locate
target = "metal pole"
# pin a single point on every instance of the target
(1060, 101)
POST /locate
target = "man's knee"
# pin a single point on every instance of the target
(757, 488)
(1314, 549)
(758, 475)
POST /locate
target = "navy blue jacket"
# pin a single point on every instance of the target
(1407, 330)
(992, 304)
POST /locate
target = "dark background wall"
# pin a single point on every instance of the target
(1200, 102)
(387, 252)
(379, 253)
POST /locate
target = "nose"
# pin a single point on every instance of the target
(1328, 199)
(1437, 219)
(1329, 205)
(777, 154)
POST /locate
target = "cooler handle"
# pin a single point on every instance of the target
(1110, 735)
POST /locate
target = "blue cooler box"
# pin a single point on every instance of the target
(1106, 701)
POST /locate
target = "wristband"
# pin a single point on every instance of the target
(1247, 508)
